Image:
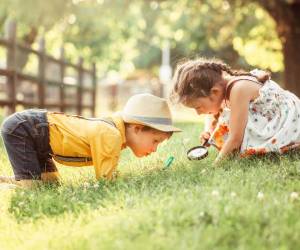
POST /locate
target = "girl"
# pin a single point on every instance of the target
(254, 114)
(34, 138)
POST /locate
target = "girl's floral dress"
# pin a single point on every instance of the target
(273, 122)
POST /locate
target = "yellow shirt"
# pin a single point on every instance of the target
(74, 136)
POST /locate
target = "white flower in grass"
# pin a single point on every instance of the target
(215, 193)
(260, 196)
(233, 194)
(21, 203)
(96, 185)
(86, 184)
(294, 196)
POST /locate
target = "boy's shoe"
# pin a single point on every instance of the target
(6, 186)
(8, 179)
(28, 183)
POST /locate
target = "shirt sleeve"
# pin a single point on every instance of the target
(105, 151)
(106, 168)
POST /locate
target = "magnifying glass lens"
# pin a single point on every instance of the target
(197, 153)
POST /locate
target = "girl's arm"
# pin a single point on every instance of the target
(208, 128)
(208, 122)
(241, 94)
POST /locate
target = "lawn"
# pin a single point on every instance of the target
(244, 204)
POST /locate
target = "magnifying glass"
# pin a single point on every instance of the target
(198, 152)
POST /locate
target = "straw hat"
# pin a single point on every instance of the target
(149, 110)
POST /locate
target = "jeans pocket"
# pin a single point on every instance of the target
(11, 125)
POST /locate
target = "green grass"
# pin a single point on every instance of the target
(244, 204)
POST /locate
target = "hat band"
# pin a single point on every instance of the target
(155, 120)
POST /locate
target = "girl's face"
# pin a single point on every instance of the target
(207, 105)
(143, 143)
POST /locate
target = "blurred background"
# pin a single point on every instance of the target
(88, 56)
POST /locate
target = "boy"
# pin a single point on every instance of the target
(33, 138)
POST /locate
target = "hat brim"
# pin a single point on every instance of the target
(160, 127)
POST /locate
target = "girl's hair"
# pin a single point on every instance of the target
(195, 78)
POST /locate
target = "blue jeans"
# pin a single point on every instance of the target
(26, 139)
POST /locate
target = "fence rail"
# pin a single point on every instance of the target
(70, 91)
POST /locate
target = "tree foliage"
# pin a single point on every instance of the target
(124, 35)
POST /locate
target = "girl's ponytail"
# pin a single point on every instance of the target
(216, 118)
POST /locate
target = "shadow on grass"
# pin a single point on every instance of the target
(264, 159)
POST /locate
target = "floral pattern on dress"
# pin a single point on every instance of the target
(273, 123)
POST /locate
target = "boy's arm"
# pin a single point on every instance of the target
(105, 151)
(106, 168)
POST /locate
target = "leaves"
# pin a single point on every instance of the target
(124, 35)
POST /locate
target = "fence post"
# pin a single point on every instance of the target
(10, 35)
(79, 86)
(94, 72)
(41, 73)
(62, 75)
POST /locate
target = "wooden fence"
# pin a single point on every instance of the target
(56, 84)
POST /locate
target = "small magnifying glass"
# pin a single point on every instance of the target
(198, 152)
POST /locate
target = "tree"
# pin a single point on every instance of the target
(125, 35)
(43, 15)
(286, 14)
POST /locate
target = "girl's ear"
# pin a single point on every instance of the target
(215, 91)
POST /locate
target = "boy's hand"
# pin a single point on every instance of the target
(115, 175)
(204, 136)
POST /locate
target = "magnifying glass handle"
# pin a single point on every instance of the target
(205, 143)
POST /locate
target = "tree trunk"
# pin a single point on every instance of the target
(287, 17)
(291, 51)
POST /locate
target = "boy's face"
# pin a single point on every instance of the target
(143, 143)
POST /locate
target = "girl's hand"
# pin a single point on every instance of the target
(204, 136)
(217, 161)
